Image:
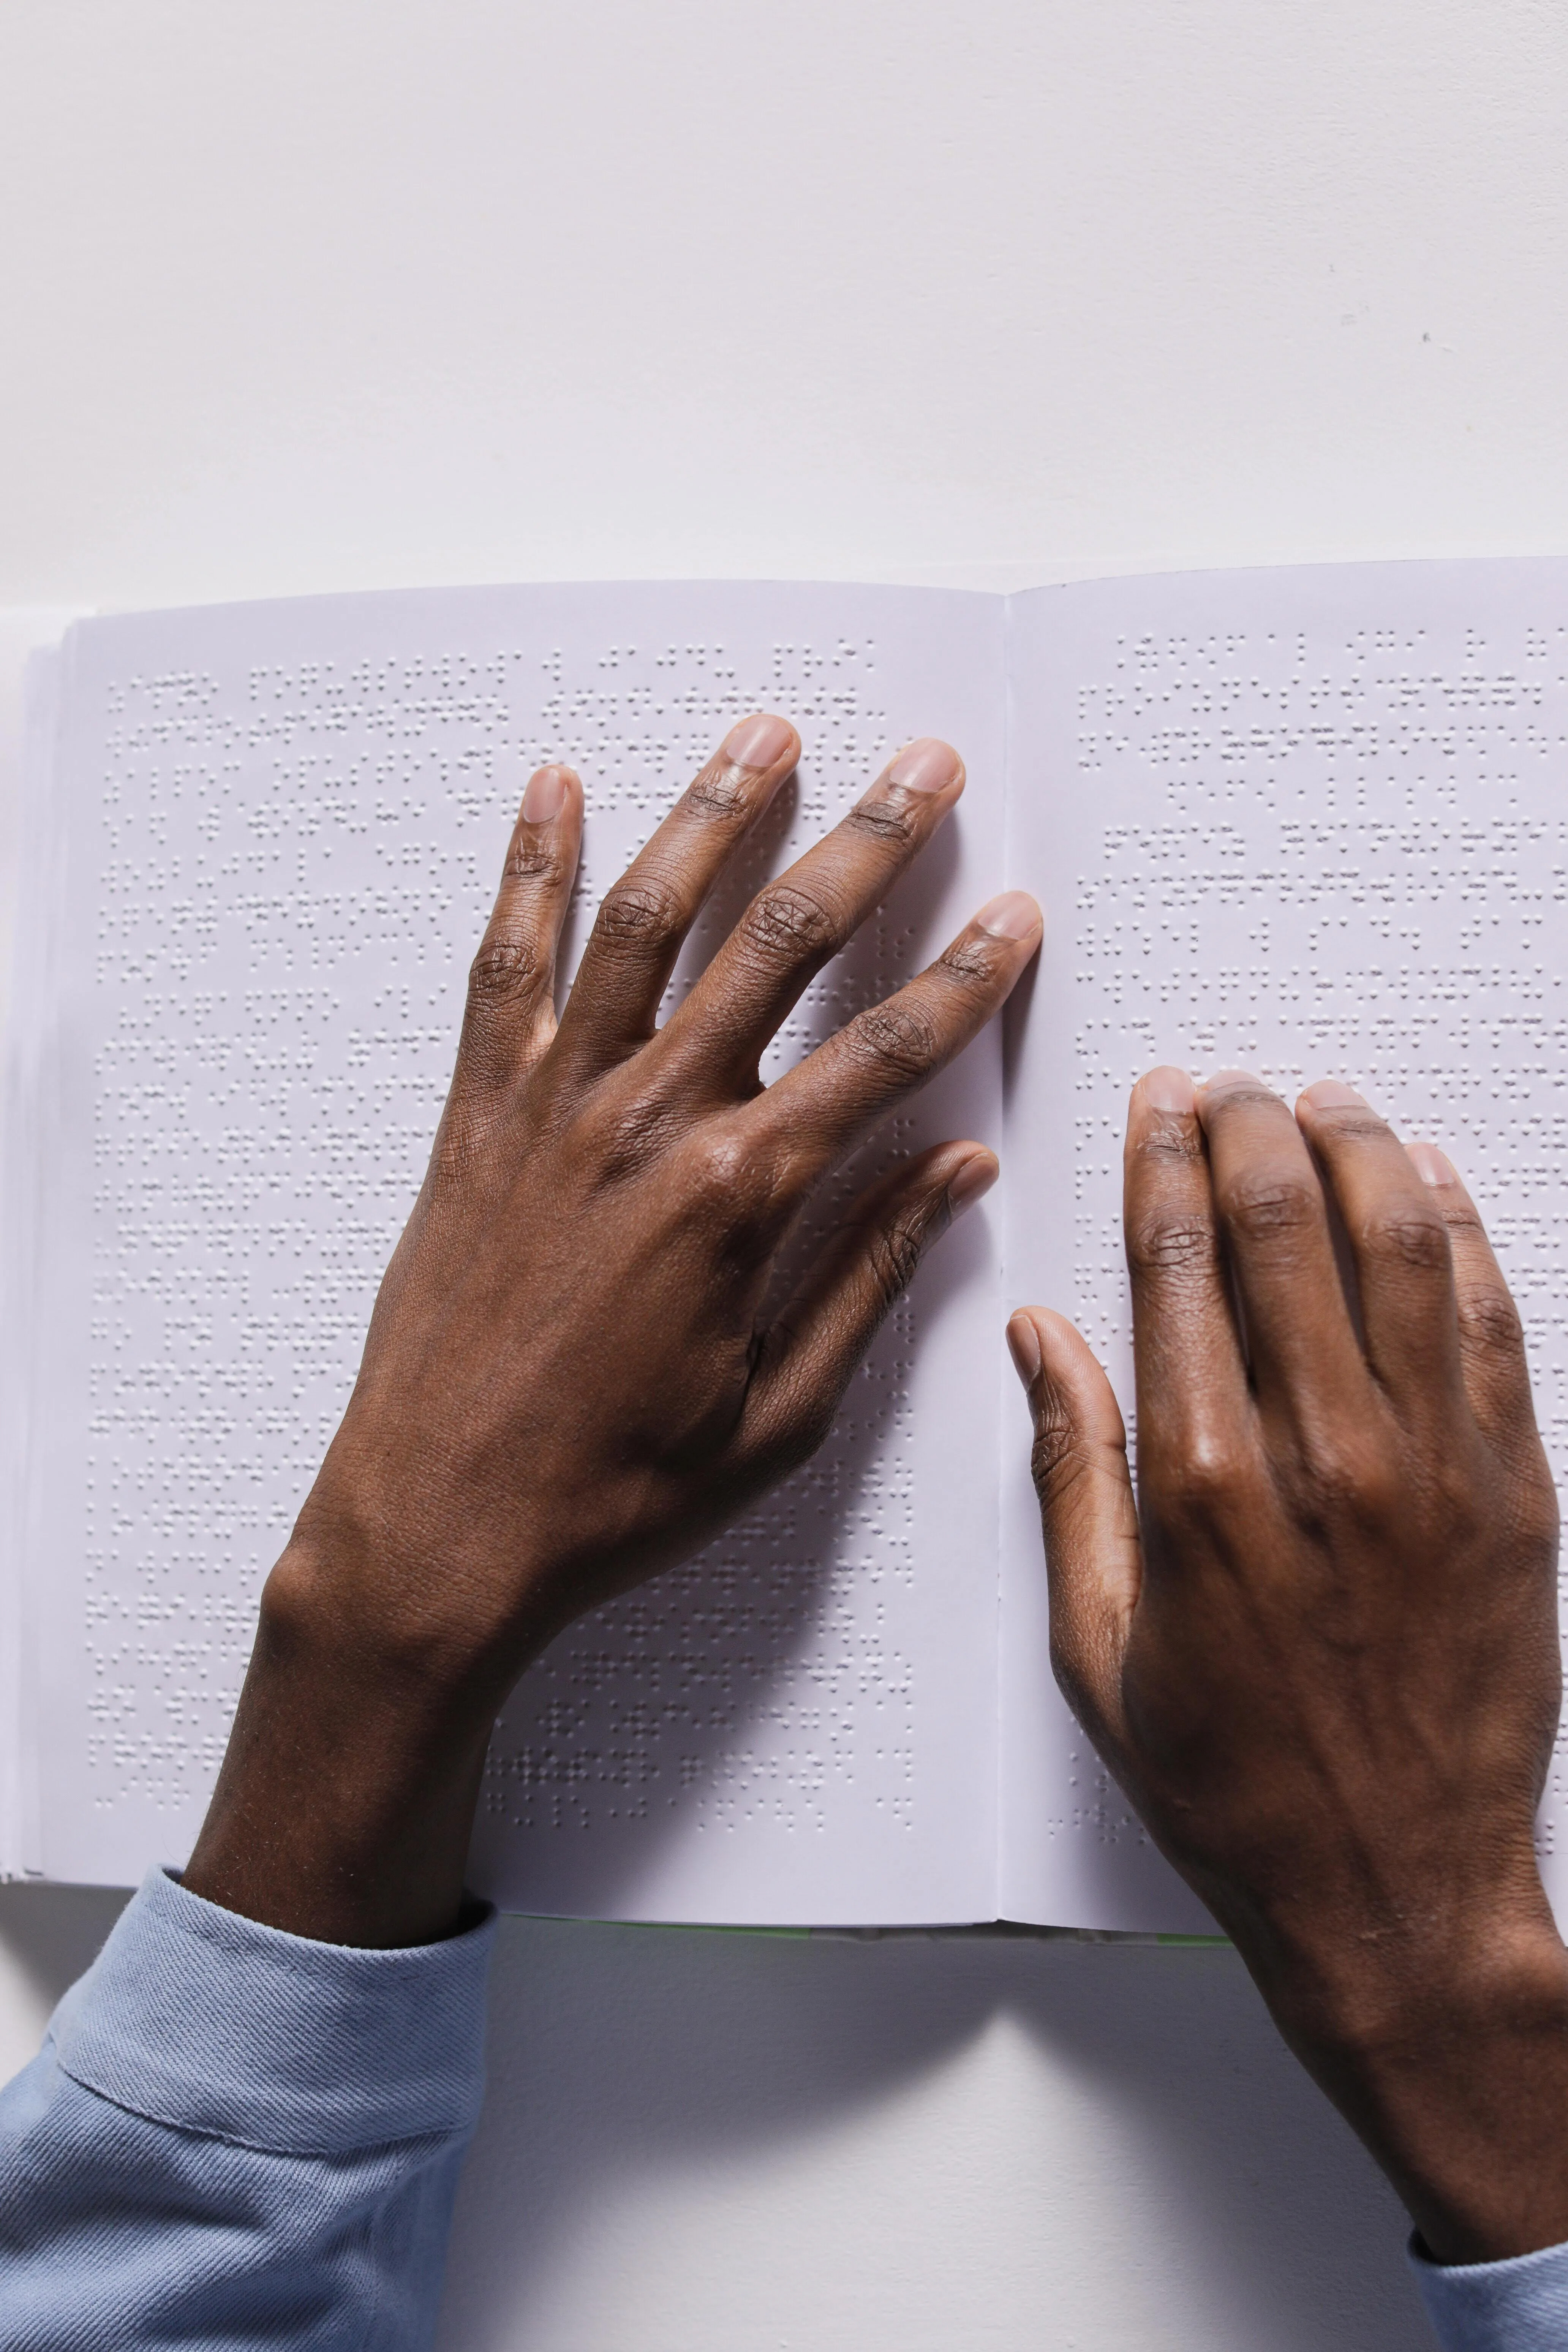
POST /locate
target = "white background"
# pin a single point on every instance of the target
(308, 295)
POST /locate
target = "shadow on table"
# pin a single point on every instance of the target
(1178, 2170)
(1172, 2159)
(48, 1935)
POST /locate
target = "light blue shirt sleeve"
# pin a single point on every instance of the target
(234, 2139)
(1514, 2306)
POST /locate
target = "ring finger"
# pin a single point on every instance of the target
(1305, 1357)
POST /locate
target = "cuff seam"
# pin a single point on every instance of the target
(436, 2137)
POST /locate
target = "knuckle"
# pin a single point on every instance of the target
(731, 1179)
(890, 822)
(1171, 1242)
(1201, 1476)
(969, 963)
(629, 1139)
(1269, 1210)
(502, 970)
(1339, 1477)
(898, 1040)
(1352, 1125)
(1464, 1223)
(1489, 1322)
(786, 922)
(1253, 1099)
(1166, 1148)
(722, 792)
(1406, 1240)
(1053, 1453)
(532, 860)
(894, 1252)
(639, 914)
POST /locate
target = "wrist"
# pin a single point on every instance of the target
(429, 1600)
(345, 1802)
(1445, 2045)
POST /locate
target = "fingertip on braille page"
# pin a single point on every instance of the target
(1226, 1082)
(1332, 1094)
(1012, 916)
(928, 765)
(760, 741)
(1024, 1346)
(972, 1182)
(1433, 1167)
(544, 794)
(1170, 1089)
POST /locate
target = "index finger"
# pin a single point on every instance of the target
(1492, 1358)
(1192, 1383)
(826, 1103)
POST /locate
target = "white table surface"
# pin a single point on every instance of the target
(307, 294)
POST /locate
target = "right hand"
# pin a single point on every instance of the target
(569, 1381)
(574, 1376)
(1320, 1649)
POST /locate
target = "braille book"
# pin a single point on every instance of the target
(1315, 822)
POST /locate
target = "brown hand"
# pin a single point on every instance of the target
(1320, 1652)
(568, 1382)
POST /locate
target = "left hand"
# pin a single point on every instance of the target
(1320, 1649)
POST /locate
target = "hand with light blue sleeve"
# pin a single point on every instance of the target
(1318, 1647)
(246, 2126)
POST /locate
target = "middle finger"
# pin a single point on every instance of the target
(798, 923)
(1305, 1357)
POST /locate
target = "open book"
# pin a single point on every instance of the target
(1315, 821)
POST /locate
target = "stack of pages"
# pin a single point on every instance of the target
(1312, 822)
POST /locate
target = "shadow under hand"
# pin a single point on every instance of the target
(701, 2142)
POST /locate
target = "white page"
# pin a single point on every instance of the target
(1314, 824)
(282, 829)
(25, 631)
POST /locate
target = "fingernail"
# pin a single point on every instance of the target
(1433, 1167)
(1332, 1094)
(1168, 1089)
(544, 792)
(758, 742)
(976, 1177)
(1014, 916)
(928, 766)
(1224, 1080)
(1023, 1343)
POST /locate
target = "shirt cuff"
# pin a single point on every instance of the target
(1514, 2306)
(195, 2017)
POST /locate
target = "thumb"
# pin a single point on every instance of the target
(1093, 1557)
